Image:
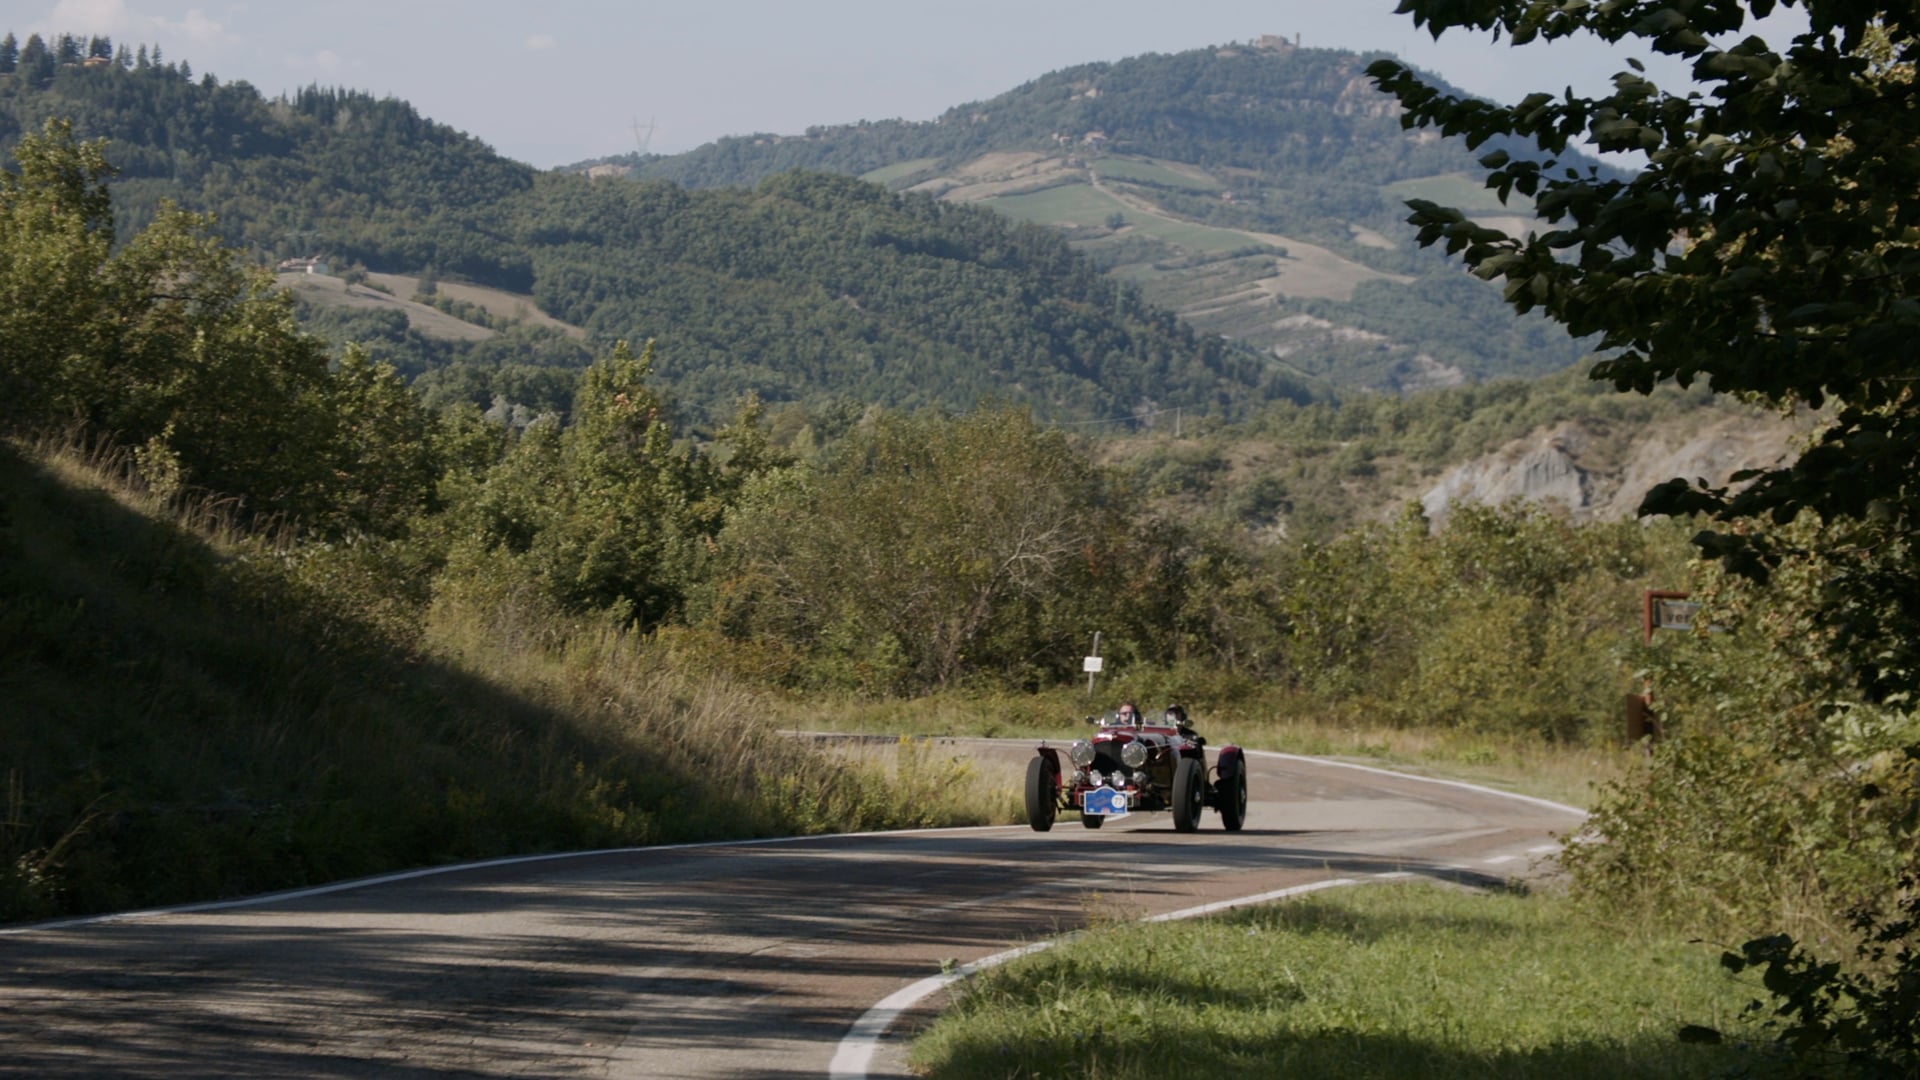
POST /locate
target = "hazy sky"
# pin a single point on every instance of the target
(564, 80)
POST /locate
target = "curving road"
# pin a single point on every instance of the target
(698, 961)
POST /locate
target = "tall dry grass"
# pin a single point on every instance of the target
(197, 710)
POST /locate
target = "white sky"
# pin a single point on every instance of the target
(565, 80)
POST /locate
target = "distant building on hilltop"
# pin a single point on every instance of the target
(312, 264)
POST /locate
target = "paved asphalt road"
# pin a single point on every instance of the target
(727, 960)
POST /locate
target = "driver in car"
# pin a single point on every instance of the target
(1129, 716)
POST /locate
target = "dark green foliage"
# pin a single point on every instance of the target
(326, 170)
(603, 515)
(813, 283)
(1768, 250)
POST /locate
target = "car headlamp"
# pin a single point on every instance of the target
(1134, 754)
(1080, 753)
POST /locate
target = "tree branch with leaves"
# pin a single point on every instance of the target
(1770, 245)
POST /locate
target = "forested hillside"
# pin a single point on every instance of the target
(1258, 189)
(802, 289)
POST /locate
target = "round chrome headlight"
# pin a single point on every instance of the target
(1080, 753)
(1134, 754)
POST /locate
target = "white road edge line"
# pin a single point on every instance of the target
(1548, 803)
(857, 1047)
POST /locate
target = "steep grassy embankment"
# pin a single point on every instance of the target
(194, 712)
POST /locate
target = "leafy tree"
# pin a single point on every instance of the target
(1771, 247)
(9, 53)
(382, 457)
(924, 548)
(169, 345)
(36, 62)
(56, 230)
(605, 514)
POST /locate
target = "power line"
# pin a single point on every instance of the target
(1131, 418)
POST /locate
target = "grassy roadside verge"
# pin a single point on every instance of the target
(1388, 980)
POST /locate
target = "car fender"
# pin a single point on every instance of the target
(1231, 760)
(1052, 756)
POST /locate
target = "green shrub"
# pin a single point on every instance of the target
(1778, 796)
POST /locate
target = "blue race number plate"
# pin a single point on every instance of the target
(1104, 802)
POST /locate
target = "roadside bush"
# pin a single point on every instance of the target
(1510, 620)
(1779, 796)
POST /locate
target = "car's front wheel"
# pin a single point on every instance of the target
(1092, 821)
(1189, 794)
(1043, 793)
(1232, 793)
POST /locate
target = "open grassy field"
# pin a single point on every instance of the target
(1086, 205)
(329, 291)
(1065, 204)
(888, 174)
(1461, 191)
(1153, 172)
(517, 306)
(1379, 981)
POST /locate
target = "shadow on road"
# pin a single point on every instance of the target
(609, 963)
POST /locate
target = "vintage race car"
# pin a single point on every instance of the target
(1134, 765)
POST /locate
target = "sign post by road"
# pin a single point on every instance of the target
(1660, 609)
(1092, 664)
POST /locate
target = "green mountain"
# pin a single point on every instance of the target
(1256, 189)
(803, 288)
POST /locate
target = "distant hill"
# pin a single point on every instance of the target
(804, 288)
(1314, 472)
(1257, 189)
